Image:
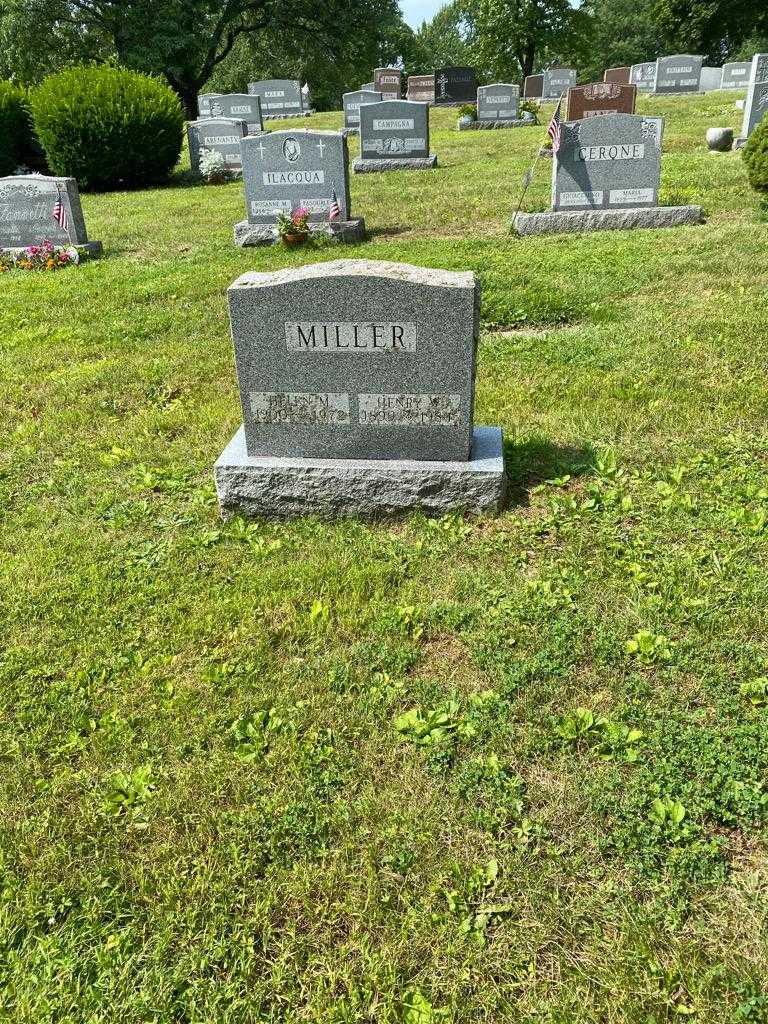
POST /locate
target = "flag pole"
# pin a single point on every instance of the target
(529, 174)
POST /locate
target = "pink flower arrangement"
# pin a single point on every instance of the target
(45, 256)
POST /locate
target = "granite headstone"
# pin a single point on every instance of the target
(421, 88)
(532, 87)
(394, 135)
(736, 75)
(557, 81)
(756, 106)
(389, 82)
(600, 98)
(204, 103)
(678, 74)
(455, 85)
(241, 106)
(26, 213)
(280, 97)
(617, 76)
(352, 101)
(220, 135)
(711, 79)
(643, 76)
(498, 102)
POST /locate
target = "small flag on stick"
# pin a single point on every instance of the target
(59, 213)
(554, 126)
(334, 212)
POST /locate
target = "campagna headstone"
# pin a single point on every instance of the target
(421, 88)
(711, 79)
(357, 383)
(498, 102)
(532, 87)
(600, 98)
(241, 106)
(204, 103)
(756, 106)
(352, 101)
(219, 135)
(678, 74)
(27, 204)
(280, 97)
(643, 76)
(557, 81)
(617, 76)
(389, 82)
(605, 176)
(285, 170)
(394, 135)
(455, 85)
(736, 75)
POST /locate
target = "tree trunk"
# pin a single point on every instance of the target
(187, 93)
(527, 62)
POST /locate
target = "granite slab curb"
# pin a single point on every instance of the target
(285, 488)
(92, 250)
(286, 117)
(558, 222)
(485, 125)
(349, 231)
(411, 163)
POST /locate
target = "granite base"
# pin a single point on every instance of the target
(349, 231)
(410, 163)
(556, 222)
(286, 117)
(285, 488)
(486, 125)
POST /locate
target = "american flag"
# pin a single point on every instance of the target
(554, 127)
(60, 214)
(334, 212)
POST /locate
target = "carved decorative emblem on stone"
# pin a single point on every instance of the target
(291, 150)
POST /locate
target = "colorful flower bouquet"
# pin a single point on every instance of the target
(293, 230)
(45, 256)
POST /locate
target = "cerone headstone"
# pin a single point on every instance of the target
(241, 106)
(679, 73)
(736, 75)
(498, 102)
(27, 204)
(643, 76)
(532, 87)
(204, 103)
(605, 175)
(421, 88)
(394, 135)
(455, 85)
(600, 98)
(617, 76)
(756, 106)
(280, 97)
(285, 170)
(711, 79)
(219, 134)
(389, 82)
(557, 81)
(352, 101)
(357, 383)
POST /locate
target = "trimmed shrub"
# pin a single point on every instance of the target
(108, 127)
(15, 128)
(755, 156)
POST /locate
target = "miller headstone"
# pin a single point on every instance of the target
(736, 75)
(643, 76)
(280, 97)
(677, 74)
(421, 88)
(617, 76)
(285, 170)
(498, 102)
(556, 82)
(600, 98)
(240, 106)
(455, 85)
(220, 135)
(27, 204)
(394, 135)
(357, 383)
(756, 106)
(389, 82)
(352, 102)
(711, 79)
(532, 87)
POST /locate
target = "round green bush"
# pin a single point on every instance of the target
(15, 128)
(108, 127)
(755, 155)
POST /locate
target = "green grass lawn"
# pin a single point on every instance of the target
(511, 769)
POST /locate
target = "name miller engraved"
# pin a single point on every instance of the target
(341, 336)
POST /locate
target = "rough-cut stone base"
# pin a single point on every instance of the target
(409, 163)
(480, 125)
(351, 231)
(555, 222)
(286, 117)
(274, 488)
(90, 250)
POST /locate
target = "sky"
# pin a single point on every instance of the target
(416, 11)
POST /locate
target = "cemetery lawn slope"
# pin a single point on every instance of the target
(510, 769)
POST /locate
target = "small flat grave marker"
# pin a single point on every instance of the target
(394, 135)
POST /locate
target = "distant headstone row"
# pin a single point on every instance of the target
(445, 87)
(281, 98)
(756, 106)
(550, 85)
(35, 208)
